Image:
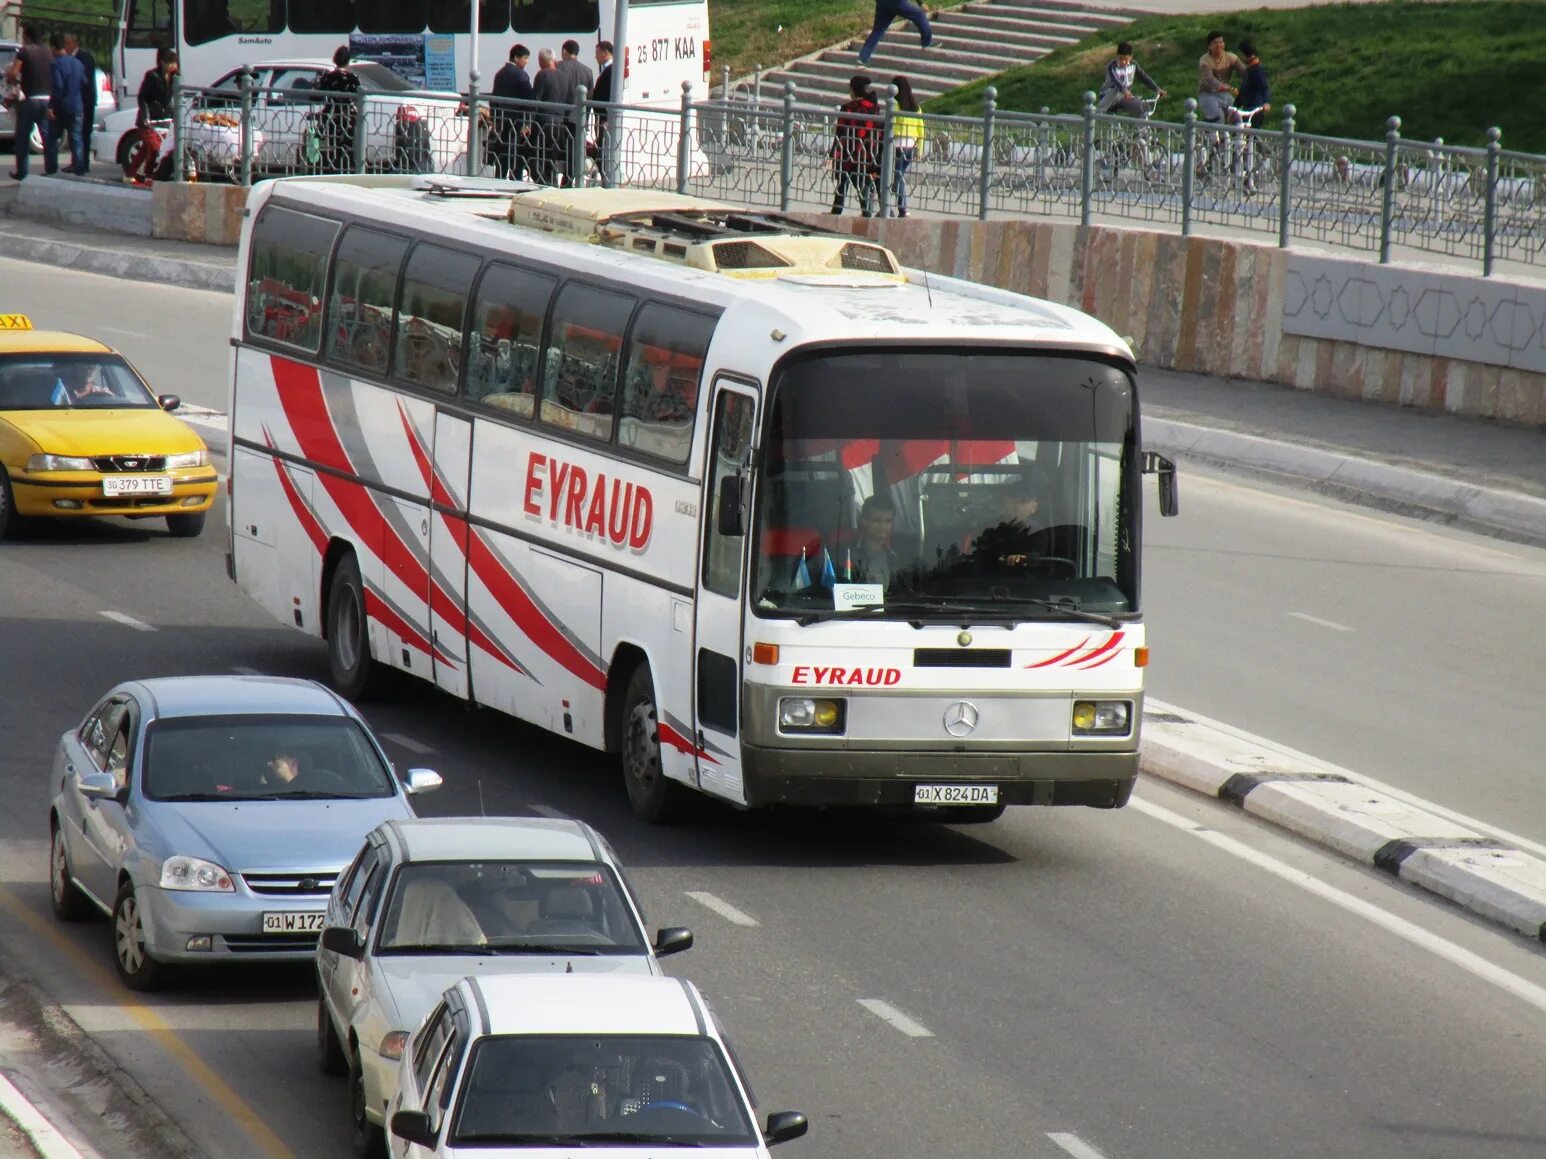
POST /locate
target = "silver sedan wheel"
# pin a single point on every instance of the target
(129, 936)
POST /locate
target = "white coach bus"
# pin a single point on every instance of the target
(740, 500)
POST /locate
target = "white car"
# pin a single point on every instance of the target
(600, 1065)
(106, 101)
(429, 901)
(405, 130)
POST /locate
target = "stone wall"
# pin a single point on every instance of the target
(198, 211)
(1240, 309)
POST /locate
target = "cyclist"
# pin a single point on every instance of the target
(1214, 70)
(1254, 90)
(1116, 91)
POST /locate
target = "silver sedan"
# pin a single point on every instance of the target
(209, 817)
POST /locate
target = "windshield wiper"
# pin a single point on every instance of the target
(635, 1137)
(1068, 607)
(516, 1138)
(318, 795)
(545, 948)
(207, 797)
(934, 607)
(440, 948)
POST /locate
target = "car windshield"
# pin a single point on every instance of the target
(379, 78)
(508, 907)
(560, 1090)
(893, 483)
(262, 758)
(59, 381)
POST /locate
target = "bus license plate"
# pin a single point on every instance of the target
(955, 794)
(298, 923)
(137, 485)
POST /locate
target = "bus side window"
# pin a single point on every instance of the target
(359, 313)
(555, 16)
(430, 314)
(149, 24)
(323, 16)
(506, 338)
(287, 275)
(579, 372)
(660, 387)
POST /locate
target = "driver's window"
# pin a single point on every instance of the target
(426, 1050)
(366, 864)
(729, 456)
(360, 920)
(118, 753)
(437, 1097)
(94, 734)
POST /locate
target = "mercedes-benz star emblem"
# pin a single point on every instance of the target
(961, 718)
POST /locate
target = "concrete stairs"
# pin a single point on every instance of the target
(972, 41)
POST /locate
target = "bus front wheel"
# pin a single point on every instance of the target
(654, 797)
(351, 668)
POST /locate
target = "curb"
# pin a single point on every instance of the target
(119, 263)
(1506, 514)
(1416, 842)
(38, 1131)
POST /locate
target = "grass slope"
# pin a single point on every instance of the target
(745, 32)
(1448, 69)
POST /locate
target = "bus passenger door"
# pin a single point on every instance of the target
(448, 553)
(726, 518)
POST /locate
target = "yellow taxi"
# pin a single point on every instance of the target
(81, 434)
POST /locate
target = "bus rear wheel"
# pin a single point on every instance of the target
(654, 796)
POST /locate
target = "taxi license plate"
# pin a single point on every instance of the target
(302, 923)
(955, 794)
(137, 485)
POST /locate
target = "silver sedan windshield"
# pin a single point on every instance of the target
(263, 758)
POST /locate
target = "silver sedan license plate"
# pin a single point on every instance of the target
(137, 485)
(299, 923)
(955, 794)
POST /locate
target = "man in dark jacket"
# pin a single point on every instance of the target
(155, 104)
(64, 108)
(33, 68)
(512, 126)
(72, 45)
(545, 135)
(856, 147)
(603, 92)
(572, 72)
(337, 121)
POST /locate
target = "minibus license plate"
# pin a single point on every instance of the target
(955, 794)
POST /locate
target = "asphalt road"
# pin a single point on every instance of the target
(1168, 980)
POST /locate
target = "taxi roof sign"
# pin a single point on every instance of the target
(15, 322)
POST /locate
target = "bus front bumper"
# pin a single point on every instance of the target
(778, 776)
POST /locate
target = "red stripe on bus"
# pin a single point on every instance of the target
(1079, 661)
(1060, 655)
(378, 609)
(307, 517)
(437, 488)
(676, 740)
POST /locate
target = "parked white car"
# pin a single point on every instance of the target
(405, 130)
(429, 901)
(600, 1065)
(107, 102)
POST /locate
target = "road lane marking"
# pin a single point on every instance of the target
(1309, 619)
(1074, 1145)
(889, 1013)
(407, 742)
(243, 670)
(120, 330)
(127, 621)
(43, 1135)
(106, 981)
(1471, 963)
(723, 908)
(1406, 798)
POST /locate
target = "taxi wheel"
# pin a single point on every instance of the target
(136, 968)
(70, 904)
(367, 1139)
(331, 1058)
(654, 797)
(10, 522)
(186, 526)
(351, 669)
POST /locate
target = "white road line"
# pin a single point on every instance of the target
(120, 330)
(1473, 964)
(1309, 619)
(549, 811)
(127, 621)
(407, 742)
(243, 670)
(1074, 1145)
(723, 908)
(889, 1013)
(44, 1135)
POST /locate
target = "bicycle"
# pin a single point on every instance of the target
(1135, 144)
(1247, 158)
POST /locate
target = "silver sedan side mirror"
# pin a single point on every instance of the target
(98, 786)
(423, 781)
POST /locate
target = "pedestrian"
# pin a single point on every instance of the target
(72, 45)
(512, 126)
(545, 127)
(1254, 89)
(155, 104)
(603, 92)
(906, 134)
(338, 114)
(33, 70)
(854, 147)
(572, 74)
(64, 108)
(885, 12)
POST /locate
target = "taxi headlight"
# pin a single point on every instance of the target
(1102, 717)
(196, 874)
(59, 463)
(199, 458)
(804, 714)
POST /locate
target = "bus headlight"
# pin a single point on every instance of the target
(804, 714)
(1102, 717)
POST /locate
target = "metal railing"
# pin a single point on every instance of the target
(768, 149)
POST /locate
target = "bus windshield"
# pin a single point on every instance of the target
(893, 483)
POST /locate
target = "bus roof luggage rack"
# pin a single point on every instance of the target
(705, 234)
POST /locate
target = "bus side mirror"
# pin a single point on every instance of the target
(1156, 464)
(728, 519)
